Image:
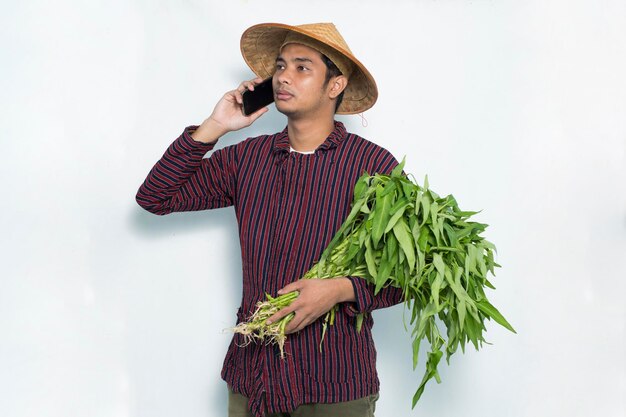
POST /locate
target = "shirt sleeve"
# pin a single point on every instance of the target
(366, 301)
(183, 180)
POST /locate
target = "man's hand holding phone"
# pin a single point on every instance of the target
(228, 115)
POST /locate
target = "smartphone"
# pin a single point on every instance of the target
(262, 95)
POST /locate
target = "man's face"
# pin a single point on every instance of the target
(298, 82)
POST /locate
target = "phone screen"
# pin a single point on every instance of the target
(262, 95)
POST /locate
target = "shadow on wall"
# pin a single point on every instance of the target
(149, 227)
(146, 224)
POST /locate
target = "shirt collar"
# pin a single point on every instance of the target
(281, 140)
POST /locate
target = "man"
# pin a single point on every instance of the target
(291, 192)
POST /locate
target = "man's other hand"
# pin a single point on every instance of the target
(316, 298)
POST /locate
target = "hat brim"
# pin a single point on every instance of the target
(260, 46)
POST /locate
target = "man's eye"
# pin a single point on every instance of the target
(302, 68)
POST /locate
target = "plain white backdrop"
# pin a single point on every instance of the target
(516, 107)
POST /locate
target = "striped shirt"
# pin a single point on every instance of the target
(288, 207)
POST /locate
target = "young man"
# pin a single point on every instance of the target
(291, 191)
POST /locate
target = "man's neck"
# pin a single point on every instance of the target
(307, 134)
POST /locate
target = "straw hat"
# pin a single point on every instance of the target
(260, 45)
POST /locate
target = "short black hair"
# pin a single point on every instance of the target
(332, 71)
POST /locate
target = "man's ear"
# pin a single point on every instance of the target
(337, 85)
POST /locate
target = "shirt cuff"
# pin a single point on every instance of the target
(191, 144)
(361, 295)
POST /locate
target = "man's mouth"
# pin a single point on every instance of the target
(283, 95)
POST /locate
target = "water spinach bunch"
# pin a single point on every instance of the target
(404, 235)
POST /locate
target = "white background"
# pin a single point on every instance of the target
(516, 107)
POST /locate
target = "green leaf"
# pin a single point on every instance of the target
(460, 309)
(344, 227)
(392, 244)
(352, 251)
(426, 314)
(451, 234)
(453, 341)
(481, 263)
(485, 307)
(397, 171)
(425, 201)
(421, 261)
(381, 215)
(363, 236)
(394, 218)
(470, 265)
(403, 278)
(401, 257)
(431, 372)
(385, 266)
(403, 234)
(489, 245)
(408, 188)
(466, 214)
(370, 259)
(359, 322)
(473, 332)
(435, 286)
(434, 209)
(435, 233)
(400, 204)
(418, 201)
(416, 350)
(439, 264)
(388, 187)
(361, 185)
(457, 288)
(423, 239)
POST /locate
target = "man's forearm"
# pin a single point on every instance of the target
(208, 132)
(345, 290)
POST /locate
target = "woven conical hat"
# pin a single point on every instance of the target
(260, 45)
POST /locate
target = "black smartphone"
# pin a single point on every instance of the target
(262, 95)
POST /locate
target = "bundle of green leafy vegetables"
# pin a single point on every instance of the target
(404, 235)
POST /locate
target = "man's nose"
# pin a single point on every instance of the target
(284, 77)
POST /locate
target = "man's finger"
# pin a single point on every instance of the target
(297, 325)
(238, 97)
(280, 314)
(258, 114)
(294, 286)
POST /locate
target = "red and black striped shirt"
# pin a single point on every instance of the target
(288, 207)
